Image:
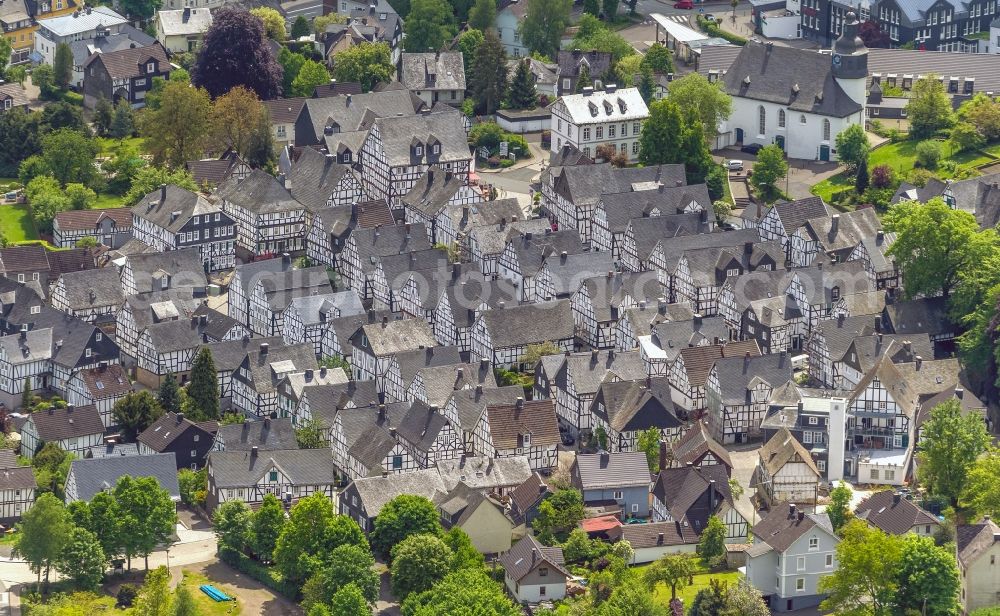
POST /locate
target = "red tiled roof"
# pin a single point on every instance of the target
(600, 524)
(82, 220)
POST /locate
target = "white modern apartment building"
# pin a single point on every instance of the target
(593, 118)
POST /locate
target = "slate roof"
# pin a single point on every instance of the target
(432, 71)
(212, 171)
(229, 354)
(80, 22)
(443, 382)
(631, 405)
(471, 289)
(680, 488)
(609, 293)
(302, 357)
(736, 374)
(302, 467)
(392, 337)
(595, 471)
(413, 361)
(567, 272)
(254, 271)
(783, 448)
(106, 381)
(973, 539)
(699, 360)
(260, 193)
(161, 434)
(470, 404)
(672, 336)
(658, 534)
(285, 110)
(527, 495)
(617, 105)
(128, 63)
(113, 449)
(282, 287)
(184, 21)
(590, 369)
(845, 230)
(696, 442)
(86, 220)
(325, 401)
(584, 184)
(95, 475)
(266, 435)
(783, 526)
(312, 308)
(378, 242)
(569, 62)
(72, 422)
(926, 315)
(16, 93)
(794, 214)
(184, 267)
(666, 201)
(355, 112)
(432, 190)
(530, 324)
(314, 177)
(375, 492)
(536, 418)
(484, 473)
(493, 239)
(533, 249)
(841, 332)
(527, 555)
(892, 513)
(398, 133)
(93, 288)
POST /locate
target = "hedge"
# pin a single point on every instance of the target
(263, 574)
(713, 28)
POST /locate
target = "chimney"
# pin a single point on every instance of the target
(791, 510)
(286, 259)
(534, 554)
(187, 14)
(878, 325)
(663, 455)
(309, 375)
(385, 322)
(593, 355)
(163, 193)
(180, 417)
(918, 360)
(711, 494)
(659, 538)
(959, 392)
(802, 516)
(689, 464)
(322, 372)
(264, 348)
(253, 451)
(697, 318)
(381, 413)
(834, 224)
(661, 305)
(896, 497)
(562, 256)
(519, 403)
(840, 319)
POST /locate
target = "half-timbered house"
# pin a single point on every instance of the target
(102, 386)
(170, 347)
(269, 220)
(366, 246)
(524, 255)
(267, 435)
(365, 441)
(487, 243)
(271, 295)
(375, 345)
(25, 358)
(293, 385)
(690, 495)
(164, 271)
(306, 319)
(624, 409)
(829, 341)
(244, 281)
(73, 429)
(173, 433)
(688, 374)
(94, 296)
(696, 448)
(319, 181)
(639, 321)
(401, 368)
(560, 277)
(427, 435)
(363, 499)
(435, 199)
(521, 429)
(289, 474)
(781, 221)
(846, 237)
(398, 150)
(600, 302)
(410, 283)
(17, 488)
(437, 385)
(739, 390)
(566, 156)
(88, 477)
(172, 218)
(502, 336)
(465, 409)
(329, 116)
(786, 471)
(255, 382)
(661, 348)
(614, 211)
(464, 298)
(141, 311)
(329, 228)
(924, 315)
(111, 227)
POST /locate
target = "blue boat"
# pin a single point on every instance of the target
(214, 593)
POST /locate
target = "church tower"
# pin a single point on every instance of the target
(850, 60)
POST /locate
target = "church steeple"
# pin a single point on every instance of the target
(850, 56)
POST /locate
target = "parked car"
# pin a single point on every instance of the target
(684, 4)
(734, 165)
(752, 148)
(709, 17)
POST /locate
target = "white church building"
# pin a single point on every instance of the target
(796, 98)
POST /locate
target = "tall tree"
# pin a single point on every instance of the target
(105, 523)
(123, 121)
(927, 578)
(659, 58)
(544, 24)
(349, 601)
(647, 87)
(135, 412)
(649, 444)
(62, 66)
(935, 244)
(267, 523)
(82, 560)
(695, 153)
(141, 9)
(839, 509)
(418, 562)
(366, 63)
(404, 515)
(430, 24)
(236, 52)
(865, 577)
(180, 129)
(5, 50)
(712, 545)
(150, 178)
(300, 27)
(674, 570)
(583, 79)
(203, 390)
(45, 530)
(232, 525)
(238, 115)
(708, 100)
(489, 74)
(468, 42)
(69, 156)
(610, 8)
(522, 89)
(462, 592)
(861, 179)
(769, 169)
(483, 15)
(592, 7)
(852, 146)
(949, 445)
(184, 604)
(311, 75)
(154, 597)
(982, 490)
(660, 140)
(466, 556)
(929, 108)
(291, 63)
(148, 516)
(274, 23)
(310, 534)
(169, 394)
(348, 564)
(558, 515)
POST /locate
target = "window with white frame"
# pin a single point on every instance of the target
(800, 584)
(826, 129)
(781, 118)
(761, 120)
(800, 563)
(813, 544)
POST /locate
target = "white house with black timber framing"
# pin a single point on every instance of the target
(268, 219)
(172, 218)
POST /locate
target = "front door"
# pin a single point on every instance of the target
(780, 140)
(824, 152)
(739, 136)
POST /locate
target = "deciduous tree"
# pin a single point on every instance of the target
(154, 597)
(769, 169)
(366, 63)
(148, 516)
(983, 112)
(349, 601)
(418, 563)
(483, 15)
(241, 124)
(873, 36)
(45, 531)
(558, 515)
(950, 443)
(468, 42)
(235, 52)
(82, 560)
(404, 515)
(865, 576)
(141, 9)
(929, 108)
(310, 534)
(927, 578)
(266, 527)
(180, 129)
(310, 75)
(348, 564)
(543, 25)
(697, 96)
(660, 141)
(69, 156)
(430, 24)
(47, 199)
(852, 146)
(231, 523)
(839, 509)
(300, 27)
(461, 592)
(712, 545)
(659, 58)
(274, 23)
(674, 570)
(649, 444)
(149, 178)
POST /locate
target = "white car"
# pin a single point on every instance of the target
(734, 165)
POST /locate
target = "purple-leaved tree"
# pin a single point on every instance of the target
(236, 52)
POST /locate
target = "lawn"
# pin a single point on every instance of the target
(16, 224)
(701, 580)
(106, 201)
(106, 145)
(206, 605)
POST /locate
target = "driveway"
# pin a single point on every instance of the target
(802, 174)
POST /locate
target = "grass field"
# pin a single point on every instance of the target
(106, 146)
(16, 224)
(701, 580)
(206, 605)
(105, 201)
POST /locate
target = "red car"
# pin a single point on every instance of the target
(684, 4)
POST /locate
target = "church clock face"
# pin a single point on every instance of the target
(836, 59)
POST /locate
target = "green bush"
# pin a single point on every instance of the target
(263, 574)
(713, 29)
(73, 98)
(505, 163)
(929, 154)
(489, 135)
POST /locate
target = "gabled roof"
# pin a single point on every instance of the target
(266, 435)
(353, 112)
(72, 422)
(535, 418)
(301, 467)
(82, 21)
(484, 473)
(388, 240)
(892, 513)
(584, 184)
(783, 448)
(595, 471)
(737, 373)
(794, 214)
(183, 22)
(93, 475)
(399, 133)
(617, 105)
(698, 360)
(184, 267)
(529, 324)
(785, 524)
(471, 403)
(798, 79)
(130, 62)
(680, 488)
(609, 293)
(267, 369)
(161, 434)
(527, 495)
(664, 201)
(314, 177)
(260, 193)
(570, 62)
(972, 540)
(375, 492)
(694, 443)
(432, 191)
(927, 315)
(443, 70)
(93, 288)
(391, 337)
(672, 336)
(590, 369)
(658, 534)
(632, 405)
(86, 220)
(527, 555)
(106, 381)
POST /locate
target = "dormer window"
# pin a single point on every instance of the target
(347, 157)
(436, 148)
(151, 67)
(36, 309)
(419, 150)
